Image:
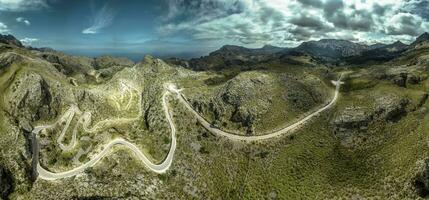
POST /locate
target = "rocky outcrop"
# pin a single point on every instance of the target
(351, 121)
(10, 40)
(7, 58)
(352, 118)
(421, 179)
(30, 99)
(401, 78)
(6, 183)
(391, 108)
(423, 38)
(69, 65)
(107, 73)
(247, 105)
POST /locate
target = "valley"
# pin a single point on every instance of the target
(311, 122)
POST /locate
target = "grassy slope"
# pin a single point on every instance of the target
(312, 164)
(280, 113)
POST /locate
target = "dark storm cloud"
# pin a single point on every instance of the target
(266, 21)
(202, 9)
(419, 7)
(270, 15)
(339, 19)
(379, 10)
(308, 21)
(332, 7)
(301, 34)
(312, 3)
(360, 20)
(406, 25)
(333, 12)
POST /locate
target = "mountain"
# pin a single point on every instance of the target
(229, 50)
(420, 41)
(376, 46)
(10, 39)
(331, 48)
(324, 51)
(395, 47)
(381, 54)
(232, 55)
(268, 49)
(76, 127)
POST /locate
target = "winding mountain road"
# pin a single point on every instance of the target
(166, 163)
(276, 133)
(158, 168)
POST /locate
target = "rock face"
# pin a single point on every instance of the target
(352, 118)
(8, 58)
(421, 39)
(247, 105)
(6, 183)
(69, 65)
(391, 108)
(242, 100)
(352, 121)
(401, 78)
(10, 39)
(331, 48)
(81, 66)
(30, 100)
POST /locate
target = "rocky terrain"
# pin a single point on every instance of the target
(330, 52)
(372, 144)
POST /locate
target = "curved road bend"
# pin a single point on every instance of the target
(234, 136)
(158, 168)
(165, 165)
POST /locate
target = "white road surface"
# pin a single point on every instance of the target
(157, 168)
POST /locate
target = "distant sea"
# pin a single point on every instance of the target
(133, 56)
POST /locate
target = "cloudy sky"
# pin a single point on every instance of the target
(195, 27)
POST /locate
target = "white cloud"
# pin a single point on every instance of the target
(22, 5)
(29, 41)
(23, 20)
(102, 19)
(287, 23)
(3, 28)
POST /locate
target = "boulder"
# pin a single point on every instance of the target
(351, 118)
(421, 179)
(391, 108)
